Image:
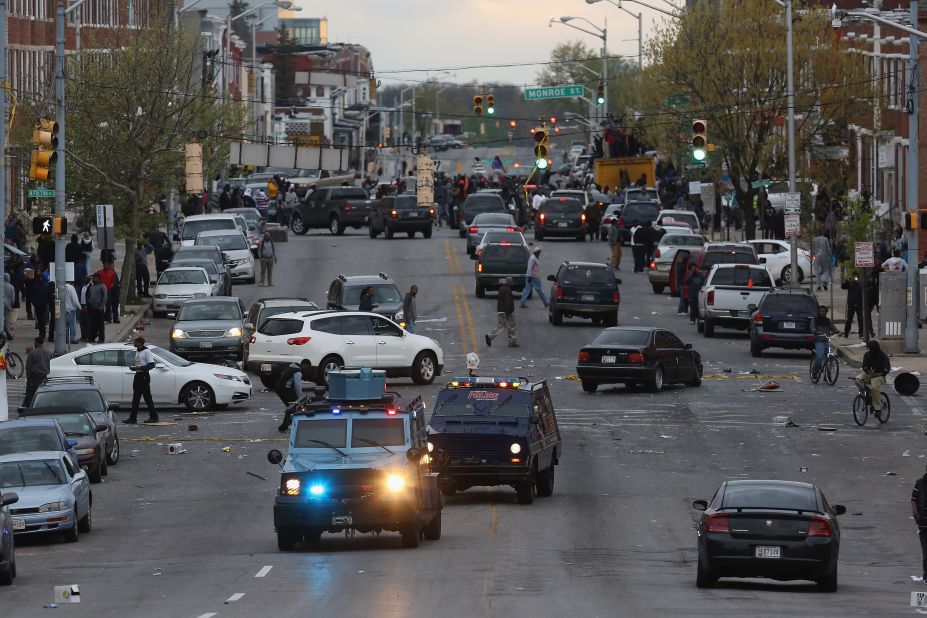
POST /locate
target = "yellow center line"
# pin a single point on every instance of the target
(492, 525)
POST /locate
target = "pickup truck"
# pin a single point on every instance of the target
(728, 293)
(334, 208)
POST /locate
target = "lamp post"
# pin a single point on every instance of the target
(601, 33)
(640, 29)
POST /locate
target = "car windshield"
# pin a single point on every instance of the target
(25, 439)
(562, 205)
(645, 194)
(749, 277)
(31, 473)
(192, 228)
(169, 357)
(484, 403)
(179, 277)
(209, 311)
(382, 294)
(385, 431)
(209, 252)
(505, 253)
(613, 209)
(72, 424)
(484, 203)
(636, 338)
(727, 257)
(321, 433)
(226, 242)
(680, 217)
(640, 211)
(492, 219)
(587, 275)
(790, 303)
(208, 265)
(682, 240)
(750, 496)
(251, 215)
(84, 399)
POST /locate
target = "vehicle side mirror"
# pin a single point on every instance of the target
(751, 307)
(688, 346)
(249, 326)
(160, 366)
(8, 498)
(700, 505)
(551, 277)
(275, 457)
(100, 428)
(112, 407)
(413, 455)
(762, 260)
(71, 442)
(20, 410)
(838, 509)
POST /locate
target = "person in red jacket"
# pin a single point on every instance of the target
(109, 278)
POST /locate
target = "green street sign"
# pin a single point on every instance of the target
(678, 99)
(760, 183)
(553, 92)
(41, 192)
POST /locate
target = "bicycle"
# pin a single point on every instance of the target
(862, 404)
(831, 366)
(14, 366)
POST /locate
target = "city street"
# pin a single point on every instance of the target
(192, 534)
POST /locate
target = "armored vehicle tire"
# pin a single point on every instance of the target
(432, 530)
(411, 533)
(286, 539)
(526, 491)
(546, 482)
(312, 536)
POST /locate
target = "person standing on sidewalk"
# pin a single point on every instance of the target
(108, 277)
(505, 313)
(96, 308)
(268, 254)
(821, 251)
(854, 305)
(141, 384)
(38, 365)
(533, 279)
(409, 311)
(86, 247)
(637, 247)
(919, 512)
(614, 242)
(142, 275)
(71, 307)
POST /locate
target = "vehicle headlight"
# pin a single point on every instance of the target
(178, 334)
(53, 506)
(431, 447)
(395, 482)
(225, 376)
(161, 296)
(233, 332)
(515, 448)
(199, 295)
(84, 451)
(292, 487)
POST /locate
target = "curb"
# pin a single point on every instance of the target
(131, 323)
(848, 356)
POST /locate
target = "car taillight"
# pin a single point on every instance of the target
(653, 266)
(820, 526)
(347, 206)
(758, 318)
(251, 339)
(542, 217)
(474, 229)
(559, 292)
(479, 268)
(656, 253)
(719, 522)
(616, 296)
(298, 340)
(636, 357)
(582, 217)
(711, 297)
(620, 222)
(393, 214)
(583, 357)
(510, 229)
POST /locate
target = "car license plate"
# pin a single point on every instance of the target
(347, 520)
(205, 345)
(587, 298)
(744, 314)
(265, 367)
(19, 524)
(788, 325)
(562, 224)
(768, 552)
(609, 359)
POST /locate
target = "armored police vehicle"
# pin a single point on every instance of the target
(495, 431)
(357, 462)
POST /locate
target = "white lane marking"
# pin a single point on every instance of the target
(264, 570)
(235, 597)
(209, 615)
(915, 408)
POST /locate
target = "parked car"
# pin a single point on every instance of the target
(728, 292)
(332, 208)
(400, 213)
(777, 256)
(37, 434)
(255, 223)
(210, 329)
(220, 280)
(80, 426)
(344, 294)
(174, 380)
(7, 545)
(659, 269)
(210, 252)
(677, 217)
(497, 261)
(178, 284)
(54, 494)
(334, 339)
(784, 318)
(782, 530)
(478, 203)
(586, 290)
(485, 222)
(561, 216)
(633, 214)
(194, 224)
(638, 355)
(235, 249)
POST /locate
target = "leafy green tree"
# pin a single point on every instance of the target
(240, 27)
(282, 59)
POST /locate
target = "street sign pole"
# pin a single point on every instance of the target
(912, 178)
(61, 334)
(790, 92)
(4, 405)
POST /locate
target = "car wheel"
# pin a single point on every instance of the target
(589, 386)
(269, 382)
(581, 237)
(596, 320)
(786, 274)
(286, 539)
(699, 326)
(297, 226)
(461, 231)
(756, 350)
(85, 524)
(8, 572)
(411, 533)
(198, 397)
(432, 529)
(312, 536)
(112, 457)
(704, 576)
(828, 583)
(96, 473)
(424, 368)
(480, 291)
(335, 226)
(526, 491)
(655, 383)
(388, 232)
(328, 364)
(538, 234)
(657, 288)
(556, 317)
(697, 378)
(708, 328)
(427, 232)
(104, 468)
(546, 482)
(158, 314)
(71, 534)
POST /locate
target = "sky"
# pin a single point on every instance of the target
(444, 35)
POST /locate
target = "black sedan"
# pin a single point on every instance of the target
(638, 355)
(781, 530)
(79, 425)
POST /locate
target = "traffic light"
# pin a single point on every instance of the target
(915, 219)
(699, 139)
(60, 226)
(541, 147)
(45, 139)
(490, 104)
(478, 105)
(600, 94)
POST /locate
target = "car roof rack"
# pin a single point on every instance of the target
(69, 379)
(301, 299)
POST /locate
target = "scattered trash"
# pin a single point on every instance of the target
(226, 449)
(754, 372)
(264, 409)
(654, 313)
(770, 385)
(890, 474)
(49, 606)
(256, 441)
(157, 573)
(67, 594)
(668, 437)
(193, 427)
(572, 377)
(728, 370)
(781, 420)
(359, 572)
(826, 428)
(906, 453)
(133, 453)
(174, 448)
(860, 513)
(257, 476)
(803, 469)
(636, 318)
(915, 578)
(789, 423)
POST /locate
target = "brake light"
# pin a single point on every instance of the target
(636, 357)
(758, 318)
(819, 526)
(583, 357)
(391, 411)
(510, 229)
(719, 522)
(559, 292)
(505, 243)
(653, 266)
(474, 229)
(479, 267)
(710, 299)
(347, 206)
(620, 222)
(542, 217)
(251, 339)
(616, 296)
(749, 283)
(431, 211)
(393, 213)
(582, 217)
(298, 340)
(656, 253)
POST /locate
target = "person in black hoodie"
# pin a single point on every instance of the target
(854, 305)
(876, 366)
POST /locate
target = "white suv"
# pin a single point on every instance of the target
(334, 339)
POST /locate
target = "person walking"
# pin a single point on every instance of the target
(289, 387)
(614, 243)
(290, 202)
(637, 247)
(684, 297)
(267, 251)
(38, 365)
(366, 300)
(821, 251)
(142, 275)
(693, 281)
(919, 512)
(71, 308)
(96, 308)
(225, 198)
(854, 305)
(409, 311)
(505, 314)
(37, 291)
(141, 383)
(533, 279)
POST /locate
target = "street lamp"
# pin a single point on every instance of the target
(640, 29)
(227, 73)
(601, 33)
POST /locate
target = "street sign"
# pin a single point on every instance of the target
(105, 215)
(707, 193)
(677, 99)
(694, 166)
(760, 183)
(863, 255)
(40, 192)
(792, 226)
(792, 204)
(695, 188)
(554, 92)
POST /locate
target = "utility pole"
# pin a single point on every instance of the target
(911, 178)
(790, 101)
(61, 334)
(4, 78)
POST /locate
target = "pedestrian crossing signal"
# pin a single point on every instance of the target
(43, 224)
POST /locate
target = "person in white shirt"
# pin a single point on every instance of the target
(895, 263)
(71, 307)
(141, 385)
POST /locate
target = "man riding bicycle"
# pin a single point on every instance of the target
(823, 329)
(875, 367)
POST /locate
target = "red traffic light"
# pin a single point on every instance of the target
(698, 126)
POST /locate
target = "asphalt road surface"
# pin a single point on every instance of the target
(192, 535)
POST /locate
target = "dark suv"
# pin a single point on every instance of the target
(497, 261)
(635, 213)
(476, 204)
(784, 318)
(586, 290)
(495, 431)
(344, 295)
(400, 213)
(333, 209)
(561, 216)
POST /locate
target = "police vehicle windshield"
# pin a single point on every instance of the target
(321, 433)
(365, 433)
(483, 403)
(377, 432)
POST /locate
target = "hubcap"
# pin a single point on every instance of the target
(297, 224)
(658, 378)
(427, 367)
(329, 367)
(114, 454)
(787, 273)
(333, 226)
(198, 397)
